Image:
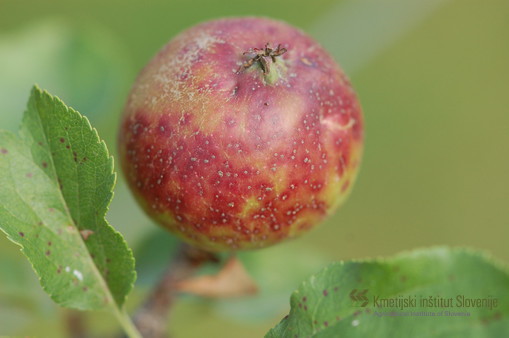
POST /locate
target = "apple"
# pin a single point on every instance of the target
(240, 133)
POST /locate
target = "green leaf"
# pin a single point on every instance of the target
(323, 305)
(56, 182)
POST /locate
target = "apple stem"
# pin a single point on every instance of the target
(151, 318)
(75, 322)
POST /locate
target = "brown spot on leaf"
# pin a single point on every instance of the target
(21, 234)
(86, 233)
(62, 140)
(59, 270)
(48, 252)
(44, 164)
(325, 292)
(49, 243)
(29, 175)
(4, 151)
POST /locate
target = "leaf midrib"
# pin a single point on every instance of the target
(104, 284)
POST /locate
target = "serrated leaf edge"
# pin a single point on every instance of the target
(487, 257)
(36, 90)
(111, 161)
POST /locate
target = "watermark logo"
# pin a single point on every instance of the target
(359, 296)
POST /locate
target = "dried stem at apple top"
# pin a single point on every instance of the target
(151, 318)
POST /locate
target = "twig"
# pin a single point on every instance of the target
(151, 319)
(75, 323)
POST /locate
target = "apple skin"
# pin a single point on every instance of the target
(230, 158)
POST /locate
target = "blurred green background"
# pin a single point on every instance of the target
(433, 78)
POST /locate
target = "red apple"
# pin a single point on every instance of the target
(232, 143)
